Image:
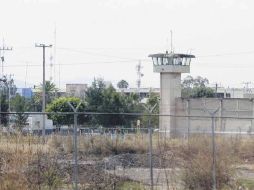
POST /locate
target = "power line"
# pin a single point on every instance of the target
(226, 54)
(95, 54)
(120, 61)
(66, 64)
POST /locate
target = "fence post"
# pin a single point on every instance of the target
(214, 151)
(150, 110)
(221, 115)
(252, 120)
(150, 151)
(212, 114)
(75, 154)
(188, 118)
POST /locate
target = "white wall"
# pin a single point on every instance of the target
(237, 113)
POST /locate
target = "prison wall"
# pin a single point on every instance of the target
(232, 116)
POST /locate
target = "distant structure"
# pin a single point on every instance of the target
(170, 66)
(143, 92)
(34, 125)
(25, 92)
(76, 90)
(235, 92)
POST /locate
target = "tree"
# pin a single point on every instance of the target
(50, 91)
(196, 88)
(153, 100)
(202, 92)
(20, 104)
(102, 99)
(188, 82)
(122, 84)
(7, 88)
(3, 108)
(61, 105)
(200, 82)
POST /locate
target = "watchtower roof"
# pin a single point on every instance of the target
(173, 55)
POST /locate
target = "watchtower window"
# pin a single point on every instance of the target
(181, 60)
(186, 61)
(160, 61)
(178, 61)
(155, 61)
(165, 61)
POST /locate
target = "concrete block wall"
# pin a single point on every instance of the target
(238, 113)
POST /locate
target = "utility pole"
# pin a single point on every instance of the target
(43, 46)
(3, 49)
(216, 89)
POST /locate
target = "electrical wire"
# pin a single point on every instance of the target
(68, 64)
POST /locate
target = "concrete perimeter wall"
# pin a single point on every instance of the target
(238, 112)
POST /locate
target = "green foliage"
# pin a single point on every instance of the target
(190, 82)
(122, 84)
(196, 88)
(102, 99)
(20, 104)
(7, 87)
(153, 100)
(127, 185)
(246, 183)
(202, 92)
(50, 90)
(4, 108)
(61, 105)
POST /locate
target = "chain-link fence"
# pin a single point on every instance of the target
(100, 151)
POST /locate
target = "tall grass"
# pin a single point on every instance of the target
(27, 163)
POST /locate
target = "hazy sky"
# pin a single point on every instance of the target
(106, 38)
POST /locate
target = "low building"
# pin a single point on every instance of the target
(143, 92)
(235, 92)
(76, 90)
(34, 124)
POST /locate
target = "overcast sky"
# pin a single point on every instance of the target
(106, 38)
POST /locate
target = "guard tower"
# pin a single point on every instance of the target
(170, 66)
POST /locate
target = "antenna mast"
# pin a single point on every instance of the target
(246, 87)
(171, 40)
(139, 74)
(51, 68)
(3, 49)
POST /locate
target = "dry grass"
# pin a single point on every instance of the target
(26, 163)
